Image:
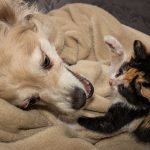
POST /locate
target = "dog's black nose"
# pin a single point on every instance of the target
(79, 98)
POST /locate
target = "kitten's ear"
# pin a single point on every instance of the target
(145, 92)
(139, 50)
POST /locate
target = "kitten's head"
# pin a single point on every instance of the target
(133, 76)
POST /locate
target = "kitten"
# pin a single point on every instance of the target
(132, 81)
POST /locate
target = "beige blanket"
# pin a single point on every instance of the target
(77, 31)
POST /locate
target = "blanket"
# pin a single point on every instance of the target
(132, 13)
(77, 32)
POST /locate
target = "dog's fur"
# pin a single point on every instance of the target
(23, 49)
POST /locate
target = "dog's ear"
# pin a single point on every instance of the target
(3, 28)
(139, 50)
(28, 17)
(28, 26)
(7, 14)
(145, 92)
(32, 26)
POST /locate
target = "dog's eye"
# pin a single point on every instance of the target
(46, 63)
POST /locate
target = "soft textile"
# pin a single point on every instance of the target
(77, 32)
(133, 13)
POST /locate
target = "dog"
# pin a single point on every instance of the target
(31, 69)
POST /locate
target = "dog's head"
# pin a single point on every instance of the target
(30, 68)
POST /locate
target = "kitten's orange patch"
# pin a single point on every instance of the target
(132, 73)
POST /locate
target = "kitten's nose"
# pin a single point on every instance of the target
(112, 82)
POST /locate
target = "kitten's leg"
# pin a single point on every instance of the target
(117, 117)
(117, 53)
(128, 93)
(114, 45)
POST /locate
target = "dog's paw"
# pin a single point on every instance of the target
(114, 44)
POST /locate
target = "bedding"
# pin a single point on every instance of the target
(77, 31)
(133, 13)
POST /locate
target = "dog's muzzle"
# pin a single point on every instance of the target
(79, 96)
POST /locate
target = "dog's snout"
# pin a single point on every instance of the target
(78, 98)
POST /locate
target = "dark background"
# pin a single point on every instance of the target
(134, 13)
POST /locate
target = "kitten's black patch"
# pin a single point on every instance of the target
(117, 116)
(133, 96)
(139, 50)
(141, 65)
(141, 60)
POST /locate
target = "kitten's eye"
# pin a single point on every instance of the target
(125, 66)
(46, 63)
(138, 64)
(135, 63)
(120, 71)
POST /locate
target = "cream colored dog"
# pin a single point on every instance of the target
(30, 68)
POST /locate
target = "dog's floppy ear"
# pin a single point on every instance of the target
(139, 50)
(32, 26)
(145, 92)
(28, 17)
(7, 14)
(28, 26)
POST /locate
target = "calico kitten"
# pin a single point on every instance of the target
(132, 81)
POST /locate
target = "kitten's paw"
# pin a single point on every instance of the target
(114, 44)
(83, 121)
(122, 90)
(126, 91)
(86, 122)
